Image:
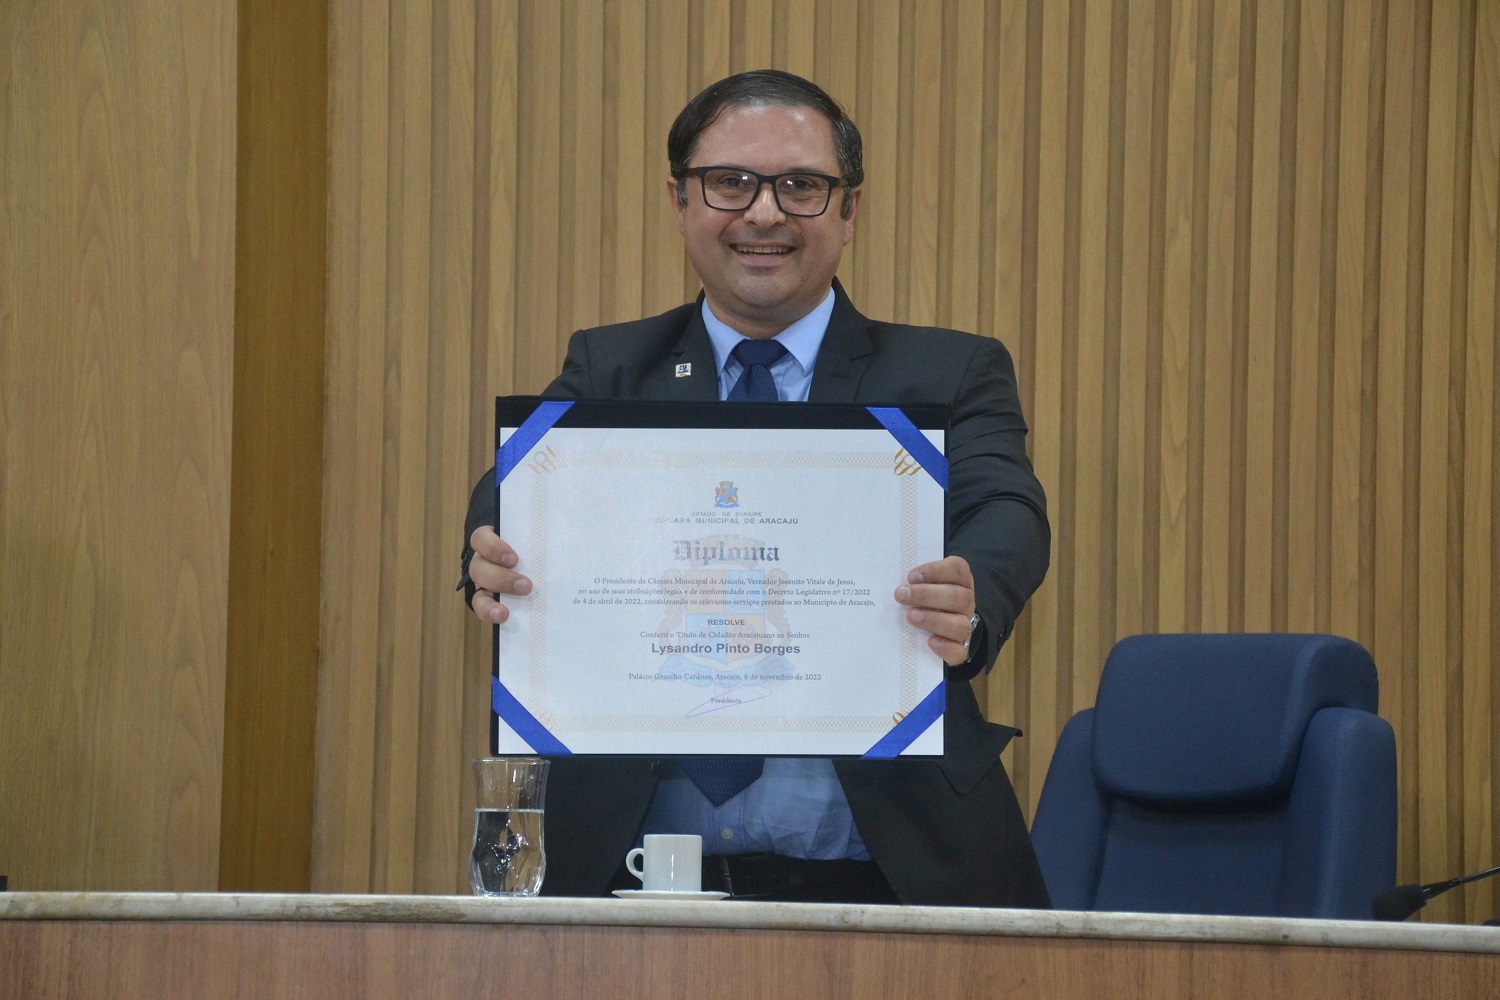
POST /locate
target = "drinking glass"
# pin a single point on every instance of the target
(508, 857)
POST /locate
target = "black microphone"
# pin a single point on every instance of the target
(1404, 900)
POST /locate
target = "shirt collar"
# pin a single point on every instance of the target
(802, 339)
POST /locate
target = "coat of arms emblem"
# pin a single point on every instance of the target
(727, 495)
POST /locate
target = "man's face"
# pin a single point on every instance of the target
(762, 269)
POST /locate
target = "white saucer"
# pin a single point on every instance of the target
(655, 894)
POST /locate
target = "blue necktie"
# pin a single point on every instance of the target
(722, 778)
(756, 384)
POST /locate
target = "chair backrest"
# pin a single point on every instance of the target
(1230, 774)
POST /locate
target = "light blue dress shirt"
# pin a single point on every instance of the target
(797, 807)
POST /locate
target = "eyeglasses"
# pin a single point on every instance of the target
(734, 189)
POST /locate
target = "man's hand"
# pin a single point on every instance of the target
(493, 570)
(939, 598)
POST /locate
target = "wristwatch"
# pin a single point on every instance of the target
(974, 623)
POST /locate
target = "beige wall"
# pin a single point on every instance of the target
(117, 188)
(1245, 254)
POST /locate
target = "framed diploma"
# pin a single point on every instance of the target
(717, 578)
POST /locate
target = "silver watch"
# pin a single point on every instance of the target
(973, 627)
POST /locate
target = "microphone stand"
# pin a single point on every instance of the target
(1404, 900)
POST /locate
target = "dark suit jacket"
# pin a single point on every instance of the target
(945, 831)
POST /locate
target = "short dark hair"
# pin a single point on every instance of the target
(761, 87)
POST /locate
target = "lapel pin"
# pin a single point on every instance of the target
(684, 370)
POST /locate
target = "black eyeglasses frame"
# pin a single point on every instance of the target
(761, 181)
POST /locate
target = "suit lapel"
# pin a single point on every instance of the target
(700, 382)
(844, 355)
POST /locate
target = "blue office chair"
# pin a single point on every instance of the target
(1229, 774)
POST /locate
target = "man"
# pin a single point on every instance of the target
(765, 183)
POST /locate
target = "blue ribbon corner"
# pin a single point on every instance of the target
(532, 430)
(904, 733)
(914, 441)
(523, 723)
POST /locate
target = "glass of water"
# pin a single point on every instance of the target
(508, 859)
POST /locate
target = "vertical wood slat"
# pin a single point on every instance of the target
(1303, 462)
(1090, 262)
(1438, 657)
(494, 335)
(959, 252)
(1350, 444)
(1468, 538)
(712, 34)
(1391, 503)
(582, 91)
(1222, 240)
(1004, 237)
(1173, 463)
(917, 229)
(754, 34)
(1191, 309)
(1061, 288)
(271, 666)
(634, 159)
(409, 216)
(442, 781)
(1220, 309)
(871, 264)
(1328, 200)
(539, 208)
(1130, 585)
(1259, 393)
(1049, 41)
(344, 814)
(1429, 666)
(1481, 523)
(795, 25)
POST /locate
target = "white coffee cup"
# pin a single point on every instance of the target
(673, 862)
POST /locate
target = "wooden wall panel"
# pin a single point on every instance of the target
(1243, 252)
(271, 665)
(1481, 371)
(117, 168)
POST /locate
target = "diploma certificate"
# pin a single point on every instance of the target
(717, 578)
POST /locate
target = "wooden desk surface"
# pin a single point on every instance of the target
(211, 945)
